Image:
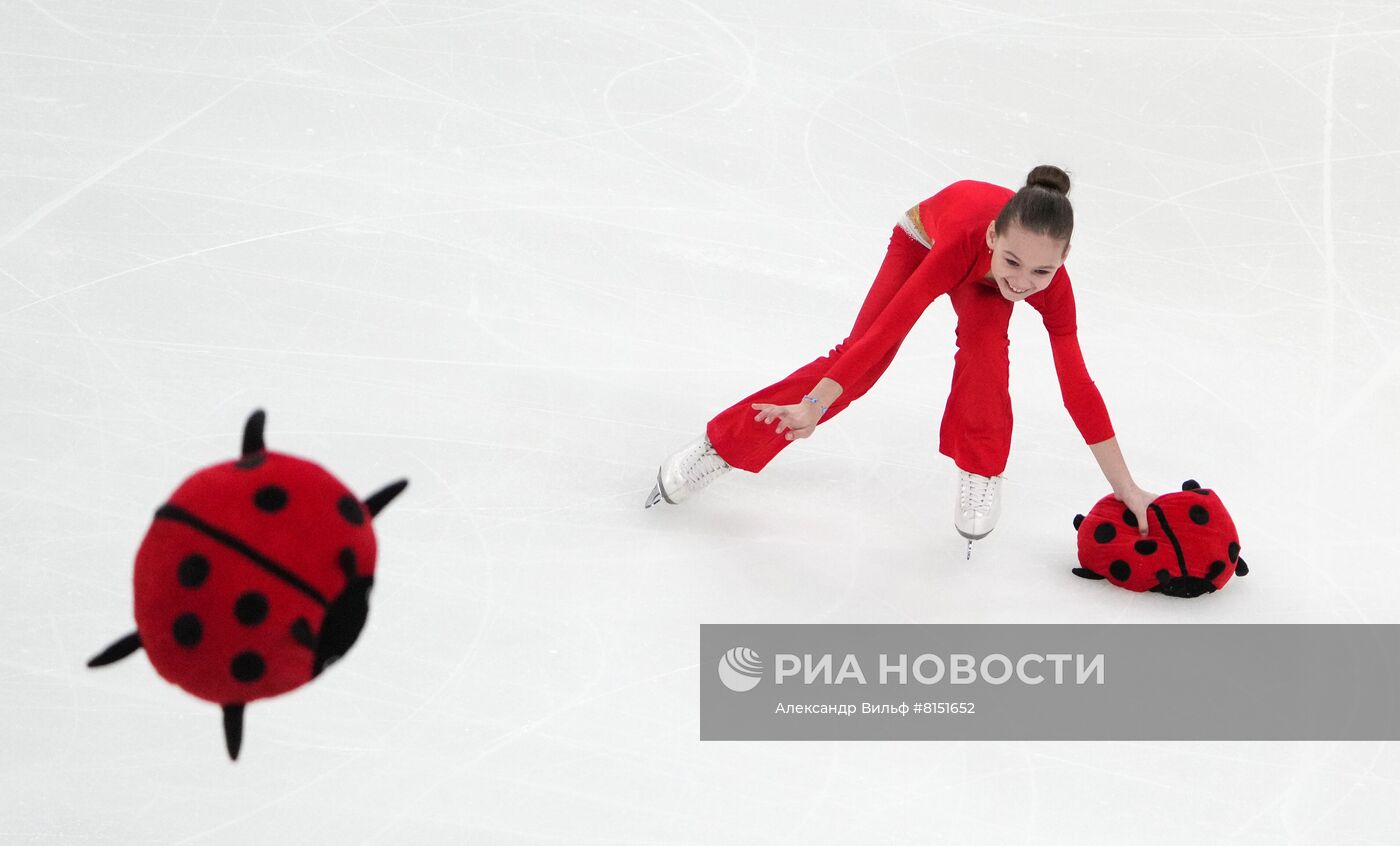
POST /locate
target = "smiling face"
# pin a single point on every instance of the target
(1023, 263)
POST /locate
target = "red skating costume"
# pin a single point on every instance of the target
(976, 427)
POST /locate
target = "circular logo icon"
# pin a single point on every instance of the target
(740, 669)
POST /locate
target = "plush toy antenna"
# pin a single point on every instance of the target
(253, 433)
(117, 651)
(383, 497)
(233, 729)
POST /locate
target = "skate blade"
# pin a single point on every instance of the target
(658, 493)
(655, 496)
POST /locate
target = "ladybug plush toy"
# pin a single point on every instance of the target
(253, 579)
(1191, 546)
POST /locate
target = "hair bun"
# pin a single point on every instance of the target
(1048, 176)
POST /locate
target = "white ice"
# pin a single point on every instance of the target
(520, 251)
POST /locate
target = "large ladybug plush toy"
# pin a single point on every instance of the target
(1191, 546)
(253, 579)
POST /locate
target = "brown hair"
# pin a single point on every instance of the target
(1041, 207)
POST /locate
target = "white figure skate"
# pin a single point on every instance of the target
(687, 472)
(979, 505)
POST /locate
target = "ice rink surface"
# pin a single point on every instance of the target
(520, 251)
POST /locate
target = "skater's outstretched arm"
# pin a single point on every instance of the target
(941, 269)
(1082, 399)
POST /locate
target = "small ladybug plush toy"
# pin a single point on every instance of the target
(1191, 546)
(253, 579)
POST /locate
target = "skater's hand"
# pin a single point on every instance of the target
(1137, 501)
(800, 419)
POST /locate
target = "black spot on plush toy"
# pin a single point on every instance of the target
(1191, 546)
(253, 579)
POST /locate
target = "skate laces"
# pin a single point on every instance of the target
(703, 466)
(977, 493)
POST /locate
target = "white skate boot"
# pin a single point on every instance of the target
(979, 505)
(687, 472)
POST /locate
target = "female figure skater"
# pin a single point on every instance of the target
(987, 249)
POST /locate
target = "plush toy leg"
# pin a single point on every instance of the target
(253, 433)
(233, 729)
(117, 651)
(383, 497)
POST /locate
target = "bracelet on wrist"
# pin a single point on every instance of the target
(813, 401)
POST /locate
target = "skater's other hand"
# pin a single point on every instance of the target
(1137, 501)
(800, 419)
